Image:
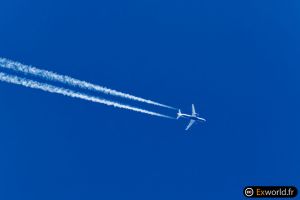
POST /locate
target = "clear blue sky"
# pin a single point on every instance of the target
(237, 61)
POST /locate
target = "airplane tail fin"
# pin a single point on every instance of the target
(178, 114)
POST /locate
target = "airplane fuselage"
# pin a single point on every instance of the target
(192, 117)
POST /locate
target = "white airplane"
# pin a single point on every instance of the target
(193, 117)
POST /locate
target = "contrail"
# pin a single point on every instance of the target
(66, 92)
(52, 76)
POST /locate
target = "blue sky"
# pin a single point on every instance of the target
(237, 61)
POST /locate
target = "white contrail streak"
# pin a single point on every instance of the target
(66, 92)
(52, 76)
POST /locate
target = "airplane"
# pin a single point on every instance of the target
(193, 117)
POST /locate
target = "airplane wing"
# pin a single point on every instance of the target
(190, 124)
(193, 110)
